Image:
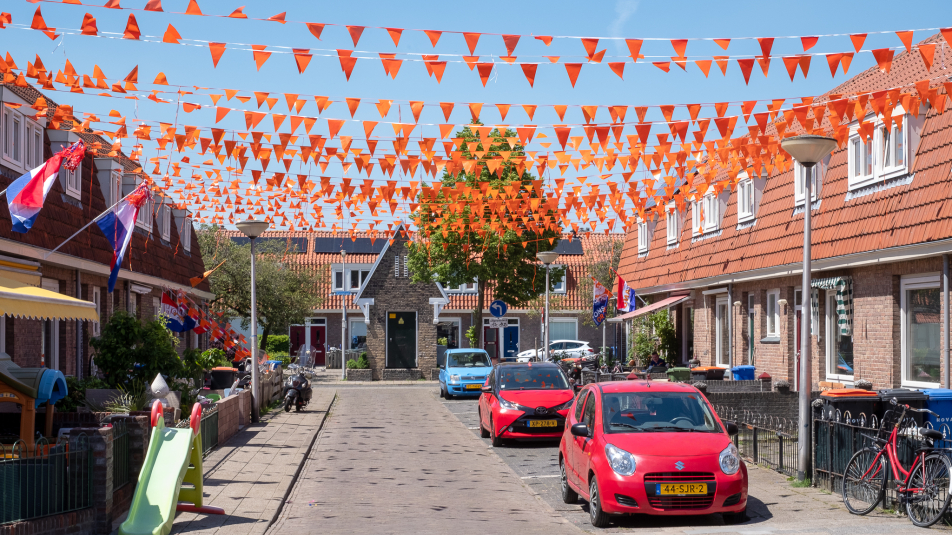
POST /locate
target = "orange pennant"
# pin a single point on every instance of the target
(278, 18)
(704, 65)
(927, 51)
(302, 58)
(573, 70)
(723, 43)
(89, 25)
(38, 22)
(153, 5)
(663, 65)
(132, 28)
(171, 36)
(679, 45)
(395, 34)
(474, 110)
(471, 40)
(634, 48)
(906, 38)
(355, 33)
(315, 28)
(619, 68)
(884, 57)
(193, 8)
(217, 49)
(858, 40)
(746, 65)
(529, 69)
(510, 41)
(434, 36)
(346, 62)
(260, 55)
(485, 70)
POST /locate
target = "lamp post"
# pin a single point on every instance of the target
(547, 257)
(807, 150)
(343, 315)
(252, 229)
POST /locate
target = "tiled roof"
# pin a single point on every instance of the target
(920, 211)
(572, 300)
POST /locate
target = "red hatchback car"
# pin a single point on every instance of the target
(524, 400)
(652, 448)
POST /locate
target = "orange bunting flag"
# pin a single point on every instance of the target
(679, 45)
(171, 36)
(884, 57)
(89, 25)
(193, 8)
(434, 36)
(723, 43)
(217, 49)
(346, 62)
(238, 13)
(355, 33)
(395, 34)
(315, 28)
(153, 5)
(808, 42)
(260, 55)
(510, 41)
(547, 39)
(485, 70)
(529, 69)
(302, 58)
(573, 70)
(858, 40)
(927, 51)
(746, 65)
(618, 68)
(278, 18)
(906, 38)
(38, 22)
(471, 40)
(132, 28)
(634, 48)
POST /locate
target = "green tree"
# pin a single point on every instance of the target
(129, 351)
(488, 229)
(286, 291)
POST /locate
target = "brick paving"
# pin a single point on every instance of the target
(250, 475)
(393, 460)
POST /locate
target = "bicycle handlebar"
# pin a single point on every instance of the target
(894, 401)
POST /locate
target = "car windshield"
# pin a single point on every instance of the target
(532, 378)
(656, 412)
(467, 360)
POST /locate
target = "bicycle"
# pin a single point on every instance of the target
(923, 489)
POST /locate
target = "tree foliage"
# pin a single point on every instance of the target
(285, 295)
(654, 332)
(129, 351)
(482, 239)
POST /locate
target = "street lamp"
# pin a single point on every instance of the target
(547, 257)
(343, 315)
(807, 150)
(252, 229)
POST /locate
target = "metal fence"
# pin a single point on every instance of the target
(120, 454)
(208, 428)
(837, 439)
(52, 479)
(768, 441)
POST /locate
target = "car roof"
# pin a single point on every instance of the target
(577, 341)
(466, 350)
(532, 364)
(644, 386)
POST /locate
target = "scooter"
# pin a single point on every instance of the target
(297, 392)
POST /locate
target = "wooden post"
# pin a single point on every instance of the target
(50, 408)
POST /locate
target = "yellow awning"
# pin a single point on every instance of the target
(21, 300)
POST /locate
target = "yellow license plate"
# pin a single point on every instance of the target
(681, 489)
(543, 423)
(474, 386)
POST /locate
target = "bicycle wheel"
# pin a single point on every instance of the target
(864, 482)
(929, 503)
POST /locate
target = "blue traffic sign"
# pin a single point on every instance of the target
(498, 308)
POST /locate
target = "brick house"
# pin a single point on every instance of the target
(163, 253)
(370, 272)
(881, 226)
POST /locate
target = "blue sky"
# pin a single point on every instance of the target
(597, 85)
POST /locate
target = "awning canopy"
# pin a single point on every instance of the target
(21, 300)
(664, 303)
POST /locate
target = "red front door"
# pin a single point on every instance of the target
(297, 338)
(318, 339)
(491, 342)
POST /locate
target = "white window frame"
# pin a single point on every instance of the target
(672, 219)
(772, 312)
(185, 234)
(916, 282)
(814, 312)
(712, 209)
(746, 199)
(559, 287)
(876, 150)
(165, 222)
(470, 288)
(13, 137)
(33, 145)
(722, 354)
(816, 180)
(97, 300)
(52, 352)
(696, 219)
(156, 307)
(345, 280)
(350, 331)
(145, 217)
(643, 237)
(832, 326)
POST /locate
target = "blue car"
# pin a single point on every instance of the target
(463, 372)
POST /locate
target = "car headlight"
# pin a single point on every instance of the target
(622, 462)
(506, 404)
(564, 406)
(730, 460)
(454, 379)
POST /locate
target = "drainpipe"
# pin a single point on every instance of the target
(79, 330)
(945, 321)
(730, 325)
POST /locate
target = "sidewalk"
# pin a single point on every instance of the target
(331, 377)
(250, 475)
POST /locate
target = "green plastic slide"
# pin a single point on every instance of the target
(156, 496)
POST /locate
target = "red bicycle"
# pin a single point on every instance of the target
(923, 488)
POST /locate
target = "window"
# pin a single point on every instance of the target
(773, 313)
(563, 329)
(185, 235)
(883, 155)
(449, 328)
(165, 222)
(156, 307)
(144, 218)
(558, 283)
(357, 330)
(745, 200)
(94, 327)
(751, 323)
(34, 145)
(721, 317)
(711, 212)
(338, 280)
(461, 289)
(892, 147)
(921, 332)
(696, 227)
(49, 341)
(13, 137)
(643, 237)
(816, 180)
(839, 350)
(673, 224)
(355, 277)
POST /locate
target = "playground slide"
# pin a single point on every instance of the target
(153, 505)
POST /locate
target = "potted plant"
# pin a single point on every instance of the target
(359, 370)
(441, 344)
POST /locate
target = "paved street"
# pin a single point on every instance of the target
(393, 460)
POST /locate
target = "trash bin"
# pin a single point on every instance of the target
(743, 373)
(913, 398)
(223, 377)
(708, 373)
(860, 405)
(679, 375)
(940, 401)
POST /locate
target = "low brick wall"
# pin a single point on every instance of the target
(244, 408)
(79, 522)
(739, 386)
(402, 374)
(359, 375)
(434, 374)
(228, 418)
(778, 404)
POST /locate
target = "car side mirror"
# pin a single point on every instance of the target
(731, 428)
(580, 430)
(486, 388)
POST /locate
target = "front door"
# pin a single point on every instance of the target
(318, 338)
(297, 338)
(511, 341)
(490, 342)
(401, 340)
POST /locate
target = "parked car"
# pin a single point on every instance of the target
(625, 449)
(524, 401)
(464, 372)
(562, 348)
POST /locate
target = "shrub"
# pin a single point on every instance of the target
(76, 392)
(359, 364)
(441, 341)
(282, 356)
(278, 343)
(129, 350)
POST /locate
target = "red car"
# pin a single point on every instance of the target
(524, 400)
(652, 448)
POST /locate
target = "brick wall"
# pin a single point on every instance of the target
(228, 418)
(80, 522)
(776, 404)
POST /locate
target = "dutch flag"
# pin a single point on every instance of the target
(118, 224)
(26, 195)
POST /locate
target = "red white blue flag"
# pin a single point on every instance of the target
(26, 195)
(600, 306)
(118, 225)
(626, 296)
(176, 313)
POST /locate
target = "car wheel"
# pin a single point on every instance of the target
(442, 393)
(446, 394)
(735, 518)
(568, 495)
(598, 517)
(482, 430)
(497, 442)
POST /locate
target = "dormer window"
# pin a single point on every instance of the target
(673, 224)
(185, 235)
(144, 218)
(745, 200)
(885, 154)
(165, 222)
(643, 237)
(461, 289)
(816, 180)
(705, 215)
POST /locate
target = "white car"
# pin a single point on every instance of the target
(566, 349)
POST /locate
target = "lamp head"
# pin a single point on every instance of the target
(253, 228)
(808, 149)
(343, 253)
(547, 257)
